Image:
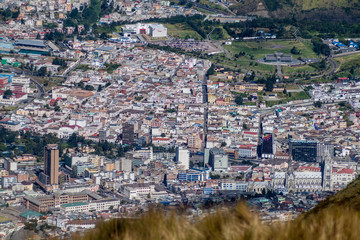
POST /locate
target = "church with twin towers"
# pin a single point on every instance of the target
(315, 178)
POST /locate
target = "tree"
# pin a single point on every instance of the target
(75, 13)
(2, 147)
(319, 47)
(89, 88)
(163, 135)
(7, 94)
(214, 176)
(295, 51)
(239, 100)
(269, 84)
(211, 70)
(42, 72)
(284, 92)
(223, 144)
(317, 104)
(104, 36)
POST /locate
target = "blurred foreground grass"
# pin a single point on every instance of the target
(335, 218)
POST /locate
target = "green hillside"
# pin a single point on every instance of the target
(335, 218)
(317, 9)
(273, 5)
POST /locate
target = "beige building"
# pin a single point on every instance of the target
(51, 163)
(194, 142)
(248, 88)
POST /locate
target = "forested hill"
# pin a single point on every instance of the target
(329, 10)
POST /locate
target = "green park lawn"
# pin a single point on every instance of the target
(349, 64)
(288, 98)
(258, 49)
(298, 69)
(182, 30)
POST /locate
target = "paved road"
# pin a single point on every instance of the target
(206, 8)
(278, 67)
(345, 54)
(72, 67)
(327, 73)
(228, 9)
(334, 67)
(39, 86)
(208, 36)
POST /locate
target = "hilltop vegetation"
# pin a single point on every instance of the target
(347, 198)
(335, 218)
(310, 9)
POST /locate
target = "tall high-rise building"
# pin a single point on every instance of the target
(51, 163)
(305, 151)
(310, 151)
(129, 132)
(268, 148)
(183, 157)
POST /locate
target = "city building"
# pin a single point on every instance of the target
(268, 146)
(218, 159)
(153, 29)
(247, 151)
(194, 142)
(44, 203)
(8, 181)
(232, 185)
(310, 151)
(183, 157)
(278, 57)
(305, 151)
(51, 164)
(129, 132)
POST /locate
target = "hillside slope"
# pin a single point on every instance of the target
(347, 198)
(336, 218)
(332, 10)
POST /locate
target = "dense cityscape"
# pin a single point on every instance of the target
(111, 108)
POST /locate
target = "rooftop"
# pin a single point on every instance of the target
(74, 204)
(29, 213)
(37, 43)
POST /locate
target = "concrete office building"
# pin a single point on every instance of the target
(51, 164)
(158, 30)
(183, 157)
(152, 29)
(218, 159)
(126, 164)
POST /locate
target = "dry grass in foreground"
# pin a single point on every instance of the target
(239, 223)
(335, 218)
